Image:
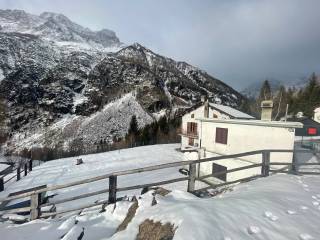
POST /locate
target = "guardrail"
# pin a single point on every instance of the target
(36, 195)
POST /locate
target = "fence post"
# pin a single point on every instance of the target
(1, 184)
(294, 164)
(25, 169)
(35, 206)
(112, 189)
(265, 168)
(30, 165)
(18, 173)
(192, 177)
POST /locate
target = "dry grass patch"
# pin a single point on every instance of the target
(130, 215)
(149, 230)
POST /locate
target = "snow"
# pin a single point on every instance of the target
(79, 99)
(239, 214)
(1, 75)
(113, 120)
(3, 166)
(231, 111)
(64, 171)
(282, 207)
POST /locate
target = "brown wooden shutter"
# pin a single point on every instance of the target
(222, 135)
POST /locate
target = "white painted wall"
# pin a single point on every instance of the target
(244, 138)
(197, 113)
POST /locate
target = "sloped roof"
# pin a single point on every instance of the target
(230, 111)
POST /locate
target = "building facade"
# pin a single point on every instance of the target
(190, 129)
(225, 135)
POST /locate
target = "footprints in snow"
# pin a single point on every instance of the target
(270, 216)
(304, 208)
(305, 236)
(253, 230)
(291, 212)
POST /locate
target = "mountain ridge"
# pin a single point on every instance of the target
(49, 81)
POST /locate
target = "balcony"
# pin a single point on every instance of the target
(190, 134)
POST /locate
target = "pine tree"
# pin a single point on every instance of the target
(163, 125)
(133, 127)
(133, 132)
(3, 121)
(265, 91)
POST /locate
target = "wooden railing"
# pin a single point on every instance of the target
(36, 195)
(21, 168)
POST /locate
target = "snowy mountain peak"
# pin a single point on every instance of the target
(48, 15)
(55, 27)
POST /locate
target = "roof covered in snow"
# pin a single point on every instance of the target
(232, 112)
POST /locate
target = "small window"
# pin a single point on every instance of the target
(192, 115)
(222, 135)
(312, 131)
(215, 115)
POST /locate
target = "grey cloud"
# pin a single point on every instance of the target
(237, 41)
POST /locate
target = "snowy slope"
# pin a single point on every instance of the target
(280, 207)
(112, 121)
(64, 170)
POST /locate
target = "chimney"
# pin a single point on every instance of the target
(266, 110)
(206, 109)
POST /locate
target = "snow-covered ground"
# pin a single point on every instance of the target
(65, 171)
(278, 207)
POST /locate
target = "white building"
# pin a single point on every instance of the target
(235, 132)
(190, 122)
(317, 115)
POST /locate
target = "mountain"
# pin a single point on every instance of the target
(53, 26)
(65, 83)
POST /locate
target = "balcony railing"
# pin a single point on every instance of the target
(190, 134)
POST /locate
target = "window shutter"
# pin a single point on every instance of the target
(222, 135)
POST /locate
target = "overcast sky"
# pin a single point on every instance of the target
(237, 41)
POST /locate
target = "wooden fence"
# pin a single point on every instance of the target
(36, 194)
(23, 168)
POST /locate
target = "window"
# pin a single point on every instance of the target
(192, 128)
(192, 115)
(222, 135)
(312, 131)
(191, 141)
(215, 115)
